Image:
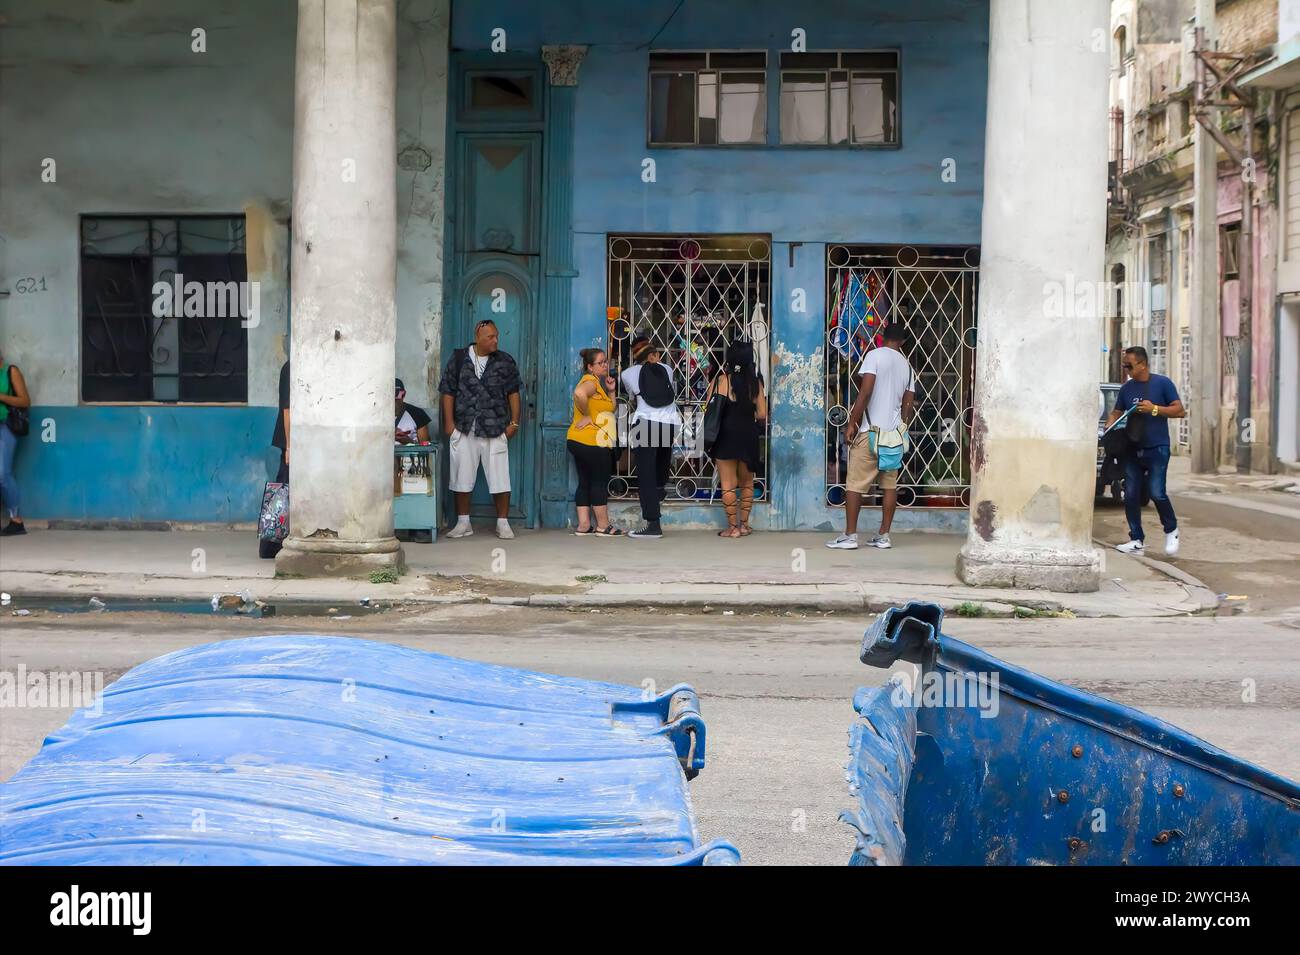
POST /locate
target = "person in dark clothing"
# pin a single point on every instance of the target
(736, 451)
(280, 436)
(480, 414)
(1155, 399)
(410, 422)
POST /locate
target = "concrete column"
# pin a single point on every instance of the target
(343, 278)
(1034, 433)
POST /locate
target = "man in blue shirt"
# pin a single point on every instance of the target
(1154, 400)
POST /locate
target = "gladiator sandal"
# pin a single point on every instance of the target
(746, 504)
(733, 528)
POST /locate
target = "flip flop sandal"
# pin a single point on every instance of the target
(610, 531)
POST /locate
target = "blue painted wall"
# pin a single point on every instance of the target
(814, 196)
(154, 463)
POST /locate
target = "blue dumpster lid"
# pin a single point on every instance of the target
(310, 749)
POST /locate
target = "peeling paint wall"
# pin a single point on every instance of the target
(138, 123)
(805, 198)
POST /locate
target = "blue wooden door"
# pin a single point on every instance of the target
(497, 238)
(502, 296)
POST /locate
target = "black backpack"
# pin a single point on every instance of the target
(656, 389)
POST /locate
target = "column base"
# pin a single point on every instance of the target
(336, 558)
(1064, 570)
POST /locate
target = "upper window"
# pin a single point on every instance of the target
(165, 307)
(839, 98)
(708, 99)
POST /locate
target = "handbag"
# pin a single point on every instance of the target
(887, 459)
(273, 521)
(713, 419)
(19, 422)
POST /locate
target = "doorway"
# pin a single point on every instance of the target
(494, 207)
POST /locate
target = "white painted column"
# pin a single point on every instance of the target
(1043, 247)
(343, 278)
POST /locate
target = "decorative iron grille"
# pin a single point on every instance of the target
(692, 295)
(1230, 360)
(931, 290)
(1159, 342)
(1182, 425)
(130, 354)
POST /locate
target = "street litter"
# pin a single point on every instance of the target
(4, 600)
(22, 613)
(97, 604)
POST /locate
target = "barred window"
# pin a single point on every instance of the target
(839, 98)
(164, 304)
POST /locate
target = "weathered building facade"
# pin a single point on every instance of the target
(580, 172)
(1151, 262)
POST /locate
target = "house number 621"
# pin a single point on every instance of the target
(30, 284)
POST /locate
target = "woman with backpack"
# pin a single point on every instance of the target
(652, 429)
(736, 450)
(590, 444)
(14, 402)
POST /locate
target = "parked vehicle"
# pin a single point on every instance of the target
(1110, 470)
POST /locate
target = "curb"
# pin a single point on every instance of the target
(1205, 598)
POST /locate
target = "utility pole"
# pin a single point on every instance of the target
(1204, 404)
(1217, 89)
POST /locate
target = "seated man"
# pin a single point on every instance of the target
(411, 421)
(411, 426)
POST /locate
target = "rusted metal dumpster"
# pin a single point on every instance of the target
(973, 761)
(316, 750)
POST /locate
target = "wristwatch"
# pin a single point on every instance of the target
(1155, 410)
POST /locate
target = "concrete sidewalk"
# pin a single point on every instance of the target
(553, 568)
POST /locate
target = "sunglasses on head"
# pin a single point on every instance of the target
(485, 322)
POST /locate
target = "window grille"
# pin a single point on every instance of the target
(932, 291)
(692, 295)
(1183, 428)
(131, 354)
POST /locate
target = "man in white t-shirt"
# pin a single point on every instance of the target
(884, 405)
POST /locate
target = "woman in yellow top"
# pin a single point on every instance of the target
(590, 443)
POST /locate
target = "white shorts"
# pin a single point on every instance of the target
(469, 451)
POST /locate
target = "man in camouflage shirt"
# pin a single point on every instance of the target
(480, 413)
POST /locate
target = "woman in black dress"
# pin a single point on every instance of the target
(737, 449)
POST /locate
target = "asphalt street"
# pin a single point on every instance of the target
(775, 690)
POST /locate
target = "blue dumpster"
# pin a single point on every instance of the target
(315, 750)
(974, 761)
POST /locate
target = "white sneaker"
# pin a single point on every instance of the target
(844, 542)
(504, 531)
(881, 541)
(1171, 542)
(465, 529)
(1132, 547)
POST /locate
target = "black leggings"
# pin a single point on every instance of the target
(594, 464)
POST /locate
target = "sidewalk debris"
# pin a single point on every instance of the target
(97, 604)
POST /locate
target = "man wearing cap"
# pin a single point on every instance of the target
(480, 413)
